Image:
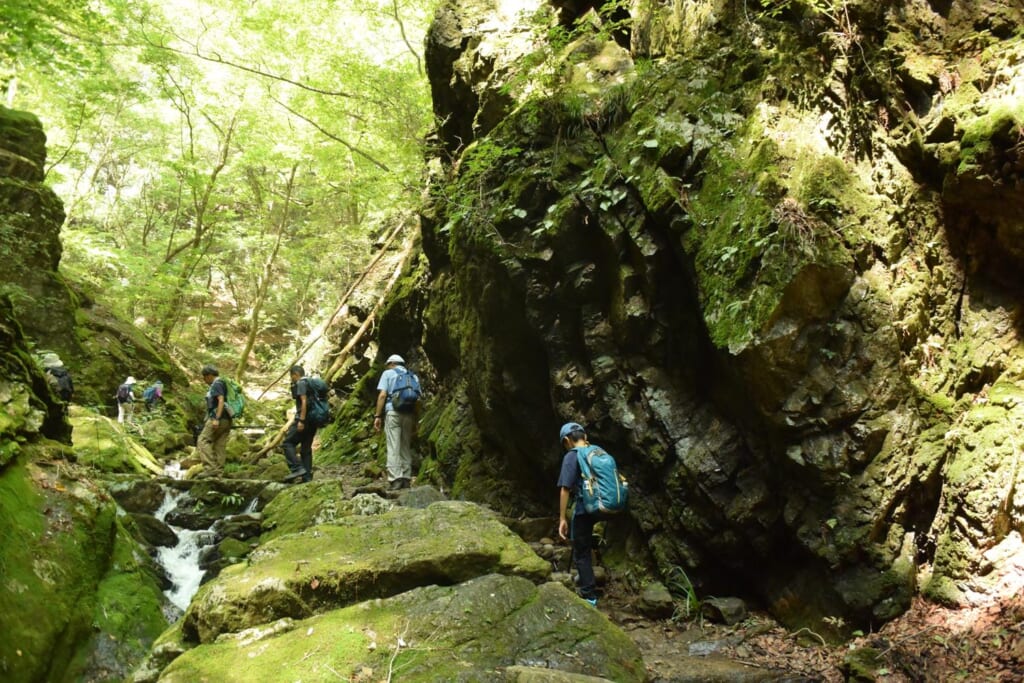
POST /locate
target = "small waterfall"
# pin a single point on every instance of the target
(172, 470)
(182, 561)
(252, 506)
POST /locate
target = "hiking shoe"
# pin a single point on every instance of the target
(406, 483)
(294, 475)
(395, 485)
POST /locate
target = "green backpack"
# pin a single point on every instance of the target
(234, 401)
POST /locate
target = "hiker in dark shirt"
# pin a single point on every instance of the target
(213, 440)
(302, 430)
(154, 395)
(573, 436)
(125, 400)
(59, 378)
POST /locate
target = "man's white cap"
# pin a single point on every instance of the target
(396, 359)
(130, 380)
(52, 360)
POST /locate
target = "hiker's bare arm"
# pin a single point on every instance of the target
(382, 397)
(301, 417)
(563, 503)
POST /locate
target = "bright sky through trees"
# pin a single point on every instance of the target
(223, 159)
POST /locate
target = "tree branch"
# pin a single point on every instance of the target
(352, 148)
(217, 59)
(405, 39)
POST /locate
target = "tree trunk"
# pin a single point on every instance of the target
(263, 287)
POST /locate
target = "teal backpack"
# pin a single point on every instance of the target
(603, 489)
(234, 401)
(318, 410)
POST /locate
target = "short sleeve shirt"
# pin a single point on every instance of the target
(569, 477)
(217, 388)
(387, 380)
(300, 389)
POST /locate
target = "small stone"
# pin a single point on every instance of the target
(728, 611)
(656, 602)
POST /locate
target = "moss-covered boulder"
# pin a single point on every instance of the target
(354, 558)
(317, 502)
(471, 631)
(79, 596)
(103, 444)
(779, 299)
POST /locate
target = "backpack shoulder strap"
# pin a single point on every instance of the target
(583, 458)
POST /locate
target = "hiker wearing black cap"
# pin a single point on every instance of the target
(573, 436)
(213, 440)
(302, 430)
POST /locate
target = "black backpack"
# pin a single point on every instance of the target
(124, 393)
(318, 409)
(61, 382)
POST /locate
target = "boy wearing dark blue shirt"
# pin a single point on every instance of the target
(573, 436)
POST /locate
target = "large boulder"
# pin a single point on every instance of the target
(103, 444)
(317, 502)
(470, 631)
(354, 558)
(781, 301)
(80, 598)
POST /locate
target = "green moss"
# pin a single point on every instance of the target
(55, 548)
(465, 632)
(300, 507)
(103, 444)
(353, 559)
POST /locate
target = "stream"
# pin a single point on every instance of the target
(181, 562)
(188, 562)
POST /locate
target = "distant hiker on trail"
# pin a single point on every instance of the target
(153, 395)
(570, 482)
(59, 378)
(397, 401)
(213, 440)
(125, 400)
(303, 428)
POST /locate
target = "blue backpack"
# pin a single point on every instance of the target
(603, 489)
(405, 390)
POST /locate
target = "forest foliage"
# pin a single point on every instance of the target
(223, 160)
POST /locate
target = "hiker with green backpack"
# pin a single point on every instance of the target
(213, 440)
(312, 411)
(590, 478)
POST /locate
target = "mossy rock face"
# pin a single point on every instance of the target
(28, 408)
(317, 502)
(777, 299)
(470, 631)
(24, 154)
(79, 597)
(102, 443)
(333, 565)
(983, 459)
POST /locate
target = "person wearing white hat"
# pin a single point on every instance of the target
(125, 400)
(59, 379)
(399, 426)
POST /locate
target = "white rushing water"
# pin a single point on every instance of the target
(173, 470)
(182, 561)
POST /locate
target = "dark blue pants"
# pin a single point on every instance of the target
(304, 440)
(582, 534)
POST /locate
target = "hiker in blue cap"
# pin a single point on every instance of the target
(573, 436)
